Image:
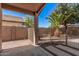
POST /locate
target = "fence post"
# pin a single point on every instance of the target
(66, 36)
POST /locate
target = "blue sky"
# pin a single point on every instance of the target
(43, 22)
(49, 8)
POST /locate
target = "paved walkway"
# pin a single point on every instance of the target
(17, 43)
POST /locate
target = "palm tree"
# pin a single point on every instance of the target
(71, 9)
(29, 22)
(56, 21)
(68, 8)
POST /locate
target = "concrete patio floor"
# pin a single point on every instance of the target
(74, 42)
(24, 48)
(42, 50)
(28, 50)
(17, 43)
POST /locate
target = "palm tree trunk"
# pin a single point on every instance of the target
(57, 32)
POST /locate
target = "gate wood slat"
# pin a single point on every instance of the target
(14, 33)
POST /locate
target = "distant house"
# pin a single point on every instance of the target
(8, 20)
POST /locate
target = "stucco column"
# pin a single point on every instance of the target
(36, 30)
(0, 28)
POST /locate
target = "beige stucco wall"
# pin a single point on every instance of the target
(30, 34)
(4, 23)
(9, 20)
(12, 18)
